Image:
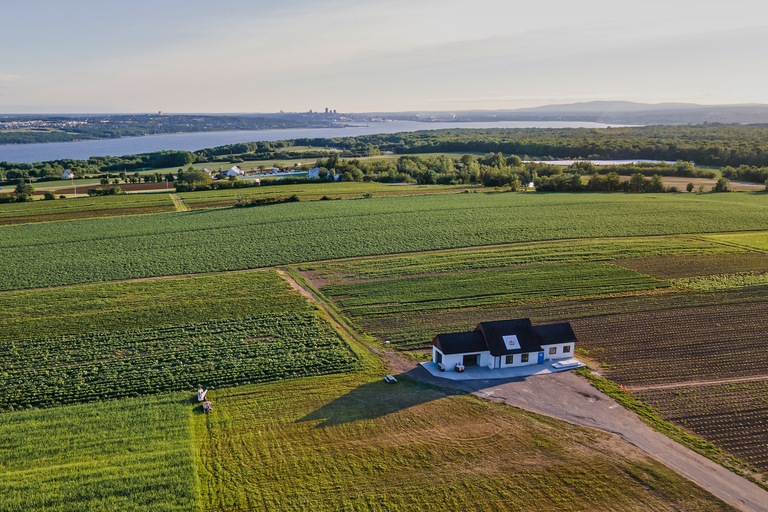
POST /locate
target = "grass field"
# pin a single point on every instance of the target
(232, 239)
(126, 455)
(346, 443)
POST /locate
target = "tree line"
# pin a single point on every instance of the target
(742, 151)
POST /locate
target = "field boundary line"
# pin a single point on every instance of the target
(178, 203)
(344, 327)
(691, 383)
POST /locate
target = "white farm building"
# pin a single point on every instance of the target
(504, 344)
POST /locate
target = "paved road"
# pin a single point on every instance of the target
(570, 397)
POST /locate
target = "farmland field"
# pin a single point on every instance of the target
(487, 287)
(734, 416)
(711, 325)
(134, 454)
(84, 207)
(682, 344)
(43, 372)
(121, 306)
(349, 443)
(513, 255)
(231, 239)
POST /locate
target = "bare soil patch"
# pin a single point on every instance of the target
(673, 267)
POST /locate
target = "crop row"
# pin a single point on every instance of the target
(733, 416)
(571, 251)
(121, 306)
(486, 287)
(702, 263)
(686, 344)
(69, 369)
(115, 248)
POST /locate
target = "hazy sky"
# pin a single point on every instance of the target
(356, 56)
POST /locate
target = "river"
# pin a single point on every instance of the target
(82, 150)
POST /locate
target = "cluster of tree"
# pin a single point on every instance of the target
(261, 201)
(612, 182)
(746, 173)
(21, 194)
(105, 191)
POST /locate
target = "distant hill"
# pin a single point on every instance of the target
(618, 112)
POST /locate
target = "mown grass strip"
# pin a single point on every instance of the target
(132, 455)
(353, 442)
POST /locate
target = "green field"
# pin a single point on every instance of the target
(121, 306)
(43, 372)
(68, 209)
(572, 251)
(350, 443)
(231, 239)
(126, 455)
(487, 287)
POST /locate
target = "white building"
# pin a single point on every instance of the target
(504, 344)
(67, 175)
(234, 171)
(314, 173)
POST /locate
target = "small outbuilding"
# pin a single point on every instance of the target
(67, 175)
(504, 344)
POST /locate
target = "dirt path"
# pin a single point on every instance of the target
(178, 203)
(572, 398)
(685, 384)
(569, 397)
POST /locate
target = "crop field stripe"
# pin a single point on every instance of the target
(134, 454)
(44, 372)
(120, 306)
(487, 287)
(522, 254)
(231, 239)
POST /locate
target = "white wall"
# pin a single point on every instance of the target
(533, 358)
(560, 354)
(451, 360)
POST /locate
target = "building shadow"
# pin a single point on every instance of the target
(376, 399)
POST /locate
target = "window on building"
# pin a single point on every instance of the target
(553, 350)
(567, 348)
(523, 358)
(438, 357)
(510, 359)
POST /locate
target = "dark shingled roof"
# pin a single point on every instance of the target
(522, 328)
(460, 342)
(490, 336)
(555, 333)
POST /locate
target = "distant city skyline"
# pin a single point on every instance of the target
(239, 56)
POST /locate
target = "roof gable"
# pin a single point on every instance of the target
(509, 336)
(555, 333)
(460, 342)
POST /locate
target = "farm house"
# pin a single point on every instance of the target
(504, 344)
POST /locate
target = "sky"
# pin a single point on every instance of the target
(97, 56)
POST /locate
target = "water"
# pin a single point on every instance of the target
(82, 150)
